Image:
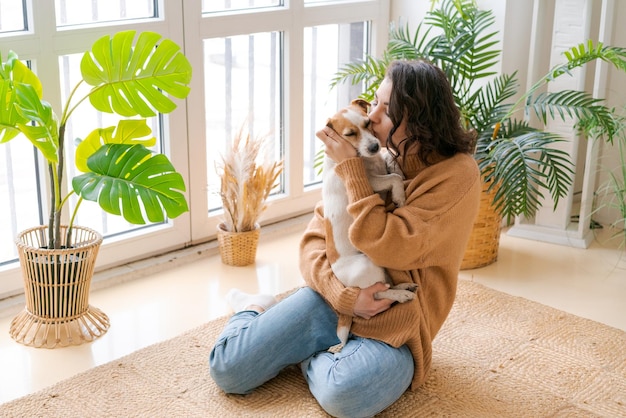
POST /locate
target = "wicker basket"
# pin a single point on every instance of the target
(482, 247)
(238, 248)
(56, 289)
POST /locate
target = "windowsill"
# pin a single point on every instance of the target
(151, 265)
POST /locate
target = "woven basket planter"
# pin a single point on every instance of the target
(484, 241)
(56, 288)
(238, 248)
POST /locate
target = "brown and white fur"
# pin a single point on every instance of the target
(352, 267)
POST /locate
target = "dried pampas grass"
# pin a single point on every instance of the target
(247, 179)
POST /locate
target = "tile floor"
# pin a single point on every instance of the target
(590, 283)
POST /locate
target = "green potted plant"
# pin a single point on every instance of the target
(131, 78)
(518, 162)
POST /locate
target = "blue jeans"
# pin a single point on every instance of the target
(363, 379)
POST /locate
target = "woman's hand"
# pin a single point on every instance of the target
(337, 148)
(366, 306)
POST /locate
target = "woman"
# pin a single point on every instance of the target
(389, 350)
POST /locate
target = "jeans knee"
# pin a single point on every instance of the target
(225, 375)
(338, 403)
(351, 386)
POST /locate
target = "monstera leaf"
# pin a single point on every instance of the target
(43, 129)
(9, 118)
(13, 74)
(135, 81)
(128, 180)
(128, 131)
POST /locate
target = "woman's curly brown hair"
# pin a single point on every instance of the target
(421, 93)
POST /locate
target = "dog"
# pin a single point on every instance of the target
(353, 268)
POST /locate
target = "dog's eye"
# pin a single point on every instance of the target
(367, 123)
(349, 133)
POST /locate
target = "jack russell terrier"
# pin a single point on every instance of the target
(352, 267)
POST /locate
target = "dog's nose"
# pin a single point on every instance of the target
(373, 147)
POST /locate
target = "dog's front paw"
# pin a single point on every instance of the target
(399, 201)
(336, 348)
(398, 195)
(404, 296)
(411, 287)
(399, 295)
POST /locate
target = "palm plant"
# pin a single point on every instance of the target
(517, 160)
(120, 172)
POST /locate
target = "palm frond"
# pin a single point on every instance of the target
(404, 45)
(487, 105)
(591, 115)
(465, 50)
(583, 53)
(524, 165)
(577, 57)
(485, 142)
(370, 72)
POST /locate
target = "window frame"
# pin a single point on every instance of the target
(290, 20)
(43, 43)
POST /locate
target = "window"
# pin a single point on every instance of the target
(243, 78)
(328, 48)
(265, 64)
(79, 12)
(12, 16)
(22, 175)
(21, 206)
(210, 6)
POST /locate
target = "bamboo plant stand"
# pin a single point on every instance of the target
(56, 289)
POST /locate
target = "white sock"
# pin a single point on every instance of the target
(239, 300)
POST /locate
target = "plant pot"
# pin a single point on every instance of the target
(484, 241)
(238, 248)
(56, 289)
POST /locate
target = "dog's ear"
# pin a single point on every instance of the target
(363, 104)
(329, 123)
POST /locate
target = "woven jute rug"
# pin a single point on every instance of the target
(496, 356)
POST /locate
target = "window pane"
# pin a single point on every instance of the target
(242, 89)
(211, 6)
(325, 1)
(327, 48)
(18, 193)
(84, 120)
(12, 16)
(78, 12)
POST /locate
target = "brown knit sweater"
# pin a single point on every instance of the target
(422, 242)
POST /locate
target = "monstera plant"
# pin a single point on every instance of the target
(124, 75)
(132, 79)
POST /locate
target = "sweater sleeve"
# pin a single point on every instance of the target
(355, 179)
(315, 258)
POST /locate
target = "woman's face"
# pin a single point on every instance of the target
(379, 116)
